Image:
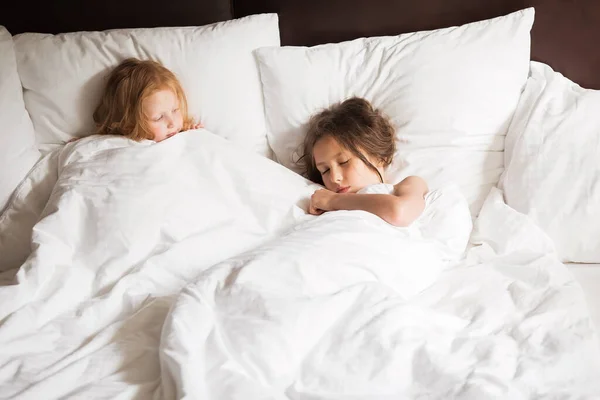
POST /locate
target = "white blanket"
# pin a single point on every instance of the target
(336, 310)
(128, 225)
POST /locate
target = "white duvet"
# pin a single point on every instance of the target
(276, 304)
(342, 308)
(126, 226)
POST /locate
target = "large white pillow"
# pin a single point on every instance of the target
(18, 150)
(450, 92)
(63, 75)
(553, 162)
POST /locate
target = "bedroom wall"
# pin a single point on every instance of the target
(76, 15)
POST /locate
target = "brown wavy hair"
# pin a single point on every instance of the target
(120, 111)
(358, 127)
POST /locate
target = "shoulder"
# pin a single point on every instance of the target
(411, 186)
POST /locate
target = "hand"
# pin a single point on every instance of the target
(320, 201)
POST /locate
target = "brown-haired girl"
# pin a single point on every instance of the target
(142, 100)
(346, 149)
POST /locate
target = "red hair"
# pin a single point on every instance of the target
(121, 112)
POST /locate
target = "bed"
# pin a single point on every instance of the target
(202, 276)
(587, 276)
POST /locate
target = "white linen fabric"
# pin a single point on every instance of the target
(334, 310)
(444, 219)
(24, 210)
(126, 226)
(450, 93)
(18, 150)
(588, 276)
(63, 75)
(552, 162)
(269, 307)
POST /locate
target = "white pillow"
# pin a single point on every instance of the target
(18, 150)
(451, 93)
(63, 75)
(553, 162)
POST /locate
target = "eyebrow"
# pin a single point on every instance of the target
(323, 162)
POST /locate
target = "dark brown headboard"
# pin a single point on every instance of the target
(565, 33)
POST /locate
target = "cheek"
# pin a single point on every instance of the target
(363, 172)
(328, 184)
(155, 127)
(326, 180)
(357, 170)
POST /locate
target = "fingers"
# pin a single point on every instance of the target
(312, 208)
(316, 202)
(315, 211)
(317, 199)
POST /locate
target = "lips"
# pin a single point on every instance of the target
(344, 189)
(171, 134)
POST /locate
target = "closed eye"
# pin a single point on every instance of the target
(175, 110)
(158, 119)
(324, 172)
(345, 162)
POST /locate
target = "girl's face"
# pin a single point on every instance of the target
(163, 113)
(341, 170)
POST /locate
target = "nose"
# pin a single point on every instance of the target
(336, 175)
(169, 121)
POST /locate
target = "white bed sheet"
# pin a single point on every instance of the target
(588, 276)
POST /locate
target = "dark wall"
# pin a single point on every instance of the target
(56, 16)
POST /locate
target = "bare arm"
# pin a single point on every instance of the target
(400, 209)
(411, 191)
